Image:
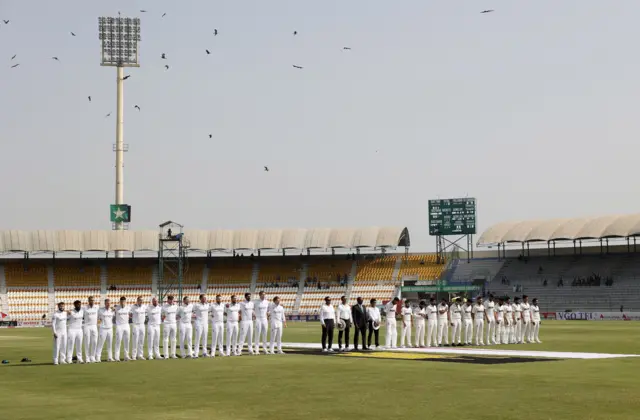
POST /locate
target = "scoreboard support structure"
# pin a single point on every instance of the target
(453, 217)
(444, 244)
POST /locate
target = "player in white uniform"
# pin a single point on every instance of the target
(407, 314)
(105, 316)
(517, 321)
(420, 316)
(526, 321)
(201, 311)
(443, 323)
(186, 330)
(508, 321)
(373, 313)
(217, 327)
(490, 318)
(391, 340)
(123, 331)
(535, 322)
(233, 316)
(261, 307)
(432, 323)
(138, 315)
(169, 327)
(154, 313)
(478, 312)
(74, 331)
(455, 315)
(467, 322)
(278, 322)
(499, 317)
(344, 314)
(90, 330)
(59, 327)
(246, 323)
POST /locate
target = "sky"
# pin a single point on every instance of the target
(532, 109)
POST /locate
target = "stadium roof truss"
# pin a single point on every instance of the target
(555, 230)
(12, 241)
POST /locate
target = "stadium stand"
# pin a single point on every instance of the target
(420, 267)
(376, 268)
(229, 277)
(27, 290)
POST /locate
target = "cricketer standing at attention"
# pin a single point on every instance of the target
(59, 327)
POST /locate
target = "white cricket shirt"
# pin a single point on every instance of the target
(185, 313)
(262, 308)
(390, 309)
(217, 312)
(499, 310)
(246, 310)
(74, 319)
(233, 313)
(432, 313)
(526, 315)
(344, 312)
(201, 311)
(106, 318)
(374, 313)
(420, 313)
(508, 312)
(122, 314)
(170, 312)
(490, 307)
(59, 322)
(90, 315)
(478, 311)
(327, 312)
(442, 316)
(155, 315)
(138, 314)
(517, 310)
(456, 312)
(466, 312)
(535, 312)
(406, 314)
(277, 314)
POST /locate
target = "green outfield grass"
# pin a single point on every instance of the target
(329, 387)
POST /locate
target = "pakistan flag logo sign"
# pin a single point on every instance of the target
(120, 213)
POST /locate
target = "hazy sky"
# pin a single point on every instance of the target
(533, 109)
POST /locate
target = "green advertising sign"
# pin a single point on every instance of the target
(441, 288)
(120, 213)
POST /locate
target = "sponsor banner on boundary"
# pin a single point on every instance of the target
(548, 315)
(30, 324)
(598, 316)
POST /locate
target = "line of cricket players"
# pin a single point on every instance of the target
(505, 322)
(94, 326)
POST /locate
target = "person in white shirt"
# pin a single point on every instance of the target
(138, 316)
(233, 316)
(105, 316)
(328, 322)
(74, 331)
(391, 340)
(490, 318)
(123, 331)
(90, 330)
(517, 321)
(478, 313)
(59, 327)
(169, 327)
(186, 330)
(201, 311)
(344, 314)
(467, 324)
(261, 307)
(247, 316)
(535, 322)
(443, 323)
(455, 314)
(432, 323)
(499, 317)
(217, 327)
(407, 315)
(374, 321)
(154, 313)
(525, 336)
(420, 317)
(508, 321)
(278, 322)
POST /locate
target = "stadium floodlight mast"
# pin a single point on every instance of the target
(119, 37)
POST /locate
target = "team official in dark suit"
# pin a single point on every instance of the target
(360, 320)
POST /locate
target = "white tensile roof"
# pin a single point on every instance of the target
(203, 240)
(562, 230)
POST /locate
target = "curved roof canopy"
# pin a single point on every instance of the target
(562, 230)
(203, 240)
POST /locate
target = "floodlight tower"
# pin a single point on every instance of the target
(120, 37)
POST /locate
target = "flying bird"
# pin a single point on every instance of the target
(108, 115)
(143, 11)
(346, 48)
(487, 11)
(15, 65)
(126, 77)
(137, 107)
(166, 67)
(164, 57)
(14, 56)
(215, 32)
(297, 67)
(266, 169)
(6, 22)
(55, 58)
(72, 34)
(295, 33)
(89, 98)
(163, 15)
(208, 52)
(210, 136)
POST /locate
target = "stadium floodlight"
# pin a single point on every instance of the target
(119, 37)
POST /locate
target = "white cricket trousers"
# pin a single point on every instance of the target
(169, 332)
(420, 333)
(137, 342)
(456, 331)
(491, 331)
(122, 336)
(202, 336)
(432, 333)
(507, 330)
(406, 335)
(246, 329)
(468, 331)
(517, 332)
(276, 336)
(535, 331)
(217, 338)
(526, 331)
(443, 331)
(153, 341)
(262, 326)
(90, 342)
(60, 348)
(499, 331)
(186, 337)
(479, 331)
(106, 336)
(232, 338)
(74, 339)
(392, 334)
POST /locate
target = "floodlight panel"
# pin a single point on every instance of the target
(120, 37)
